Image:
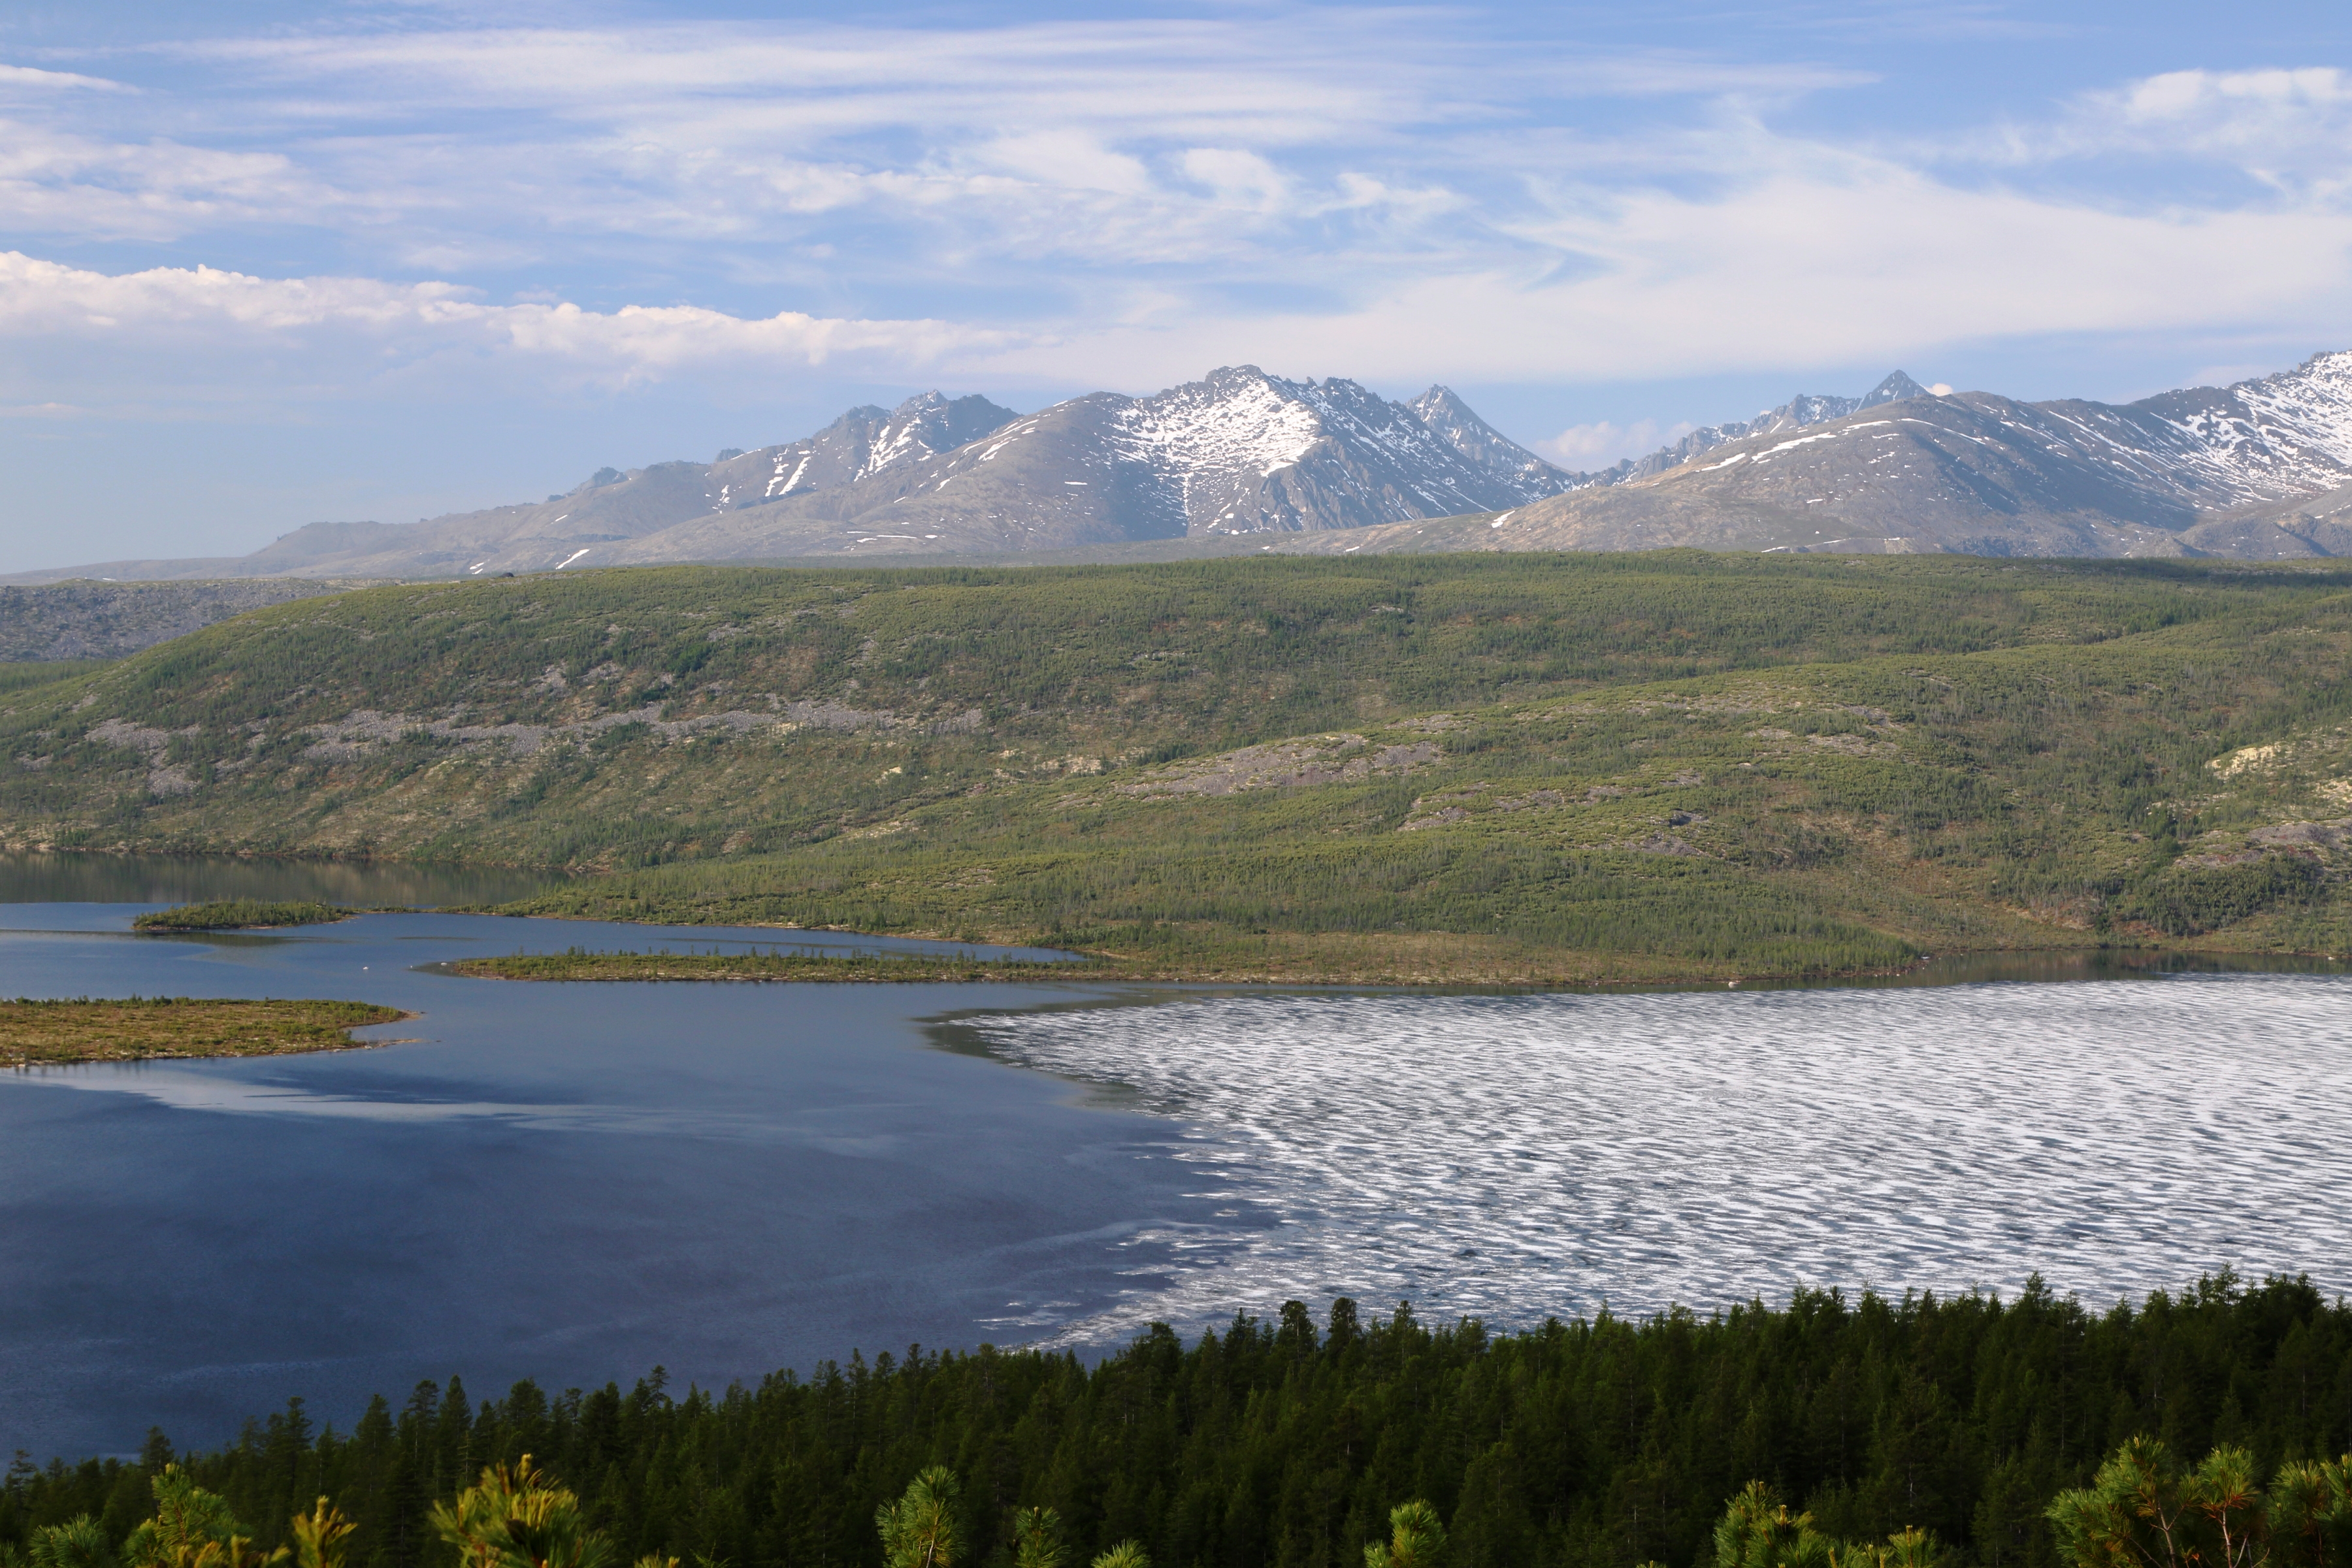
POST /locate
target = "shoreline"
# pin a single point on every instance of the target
(634, 968)
(83, 1031)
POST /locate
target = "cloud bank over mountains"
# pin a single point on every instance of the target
(392, 208)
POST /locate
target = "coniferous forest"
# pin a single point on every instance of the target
(1946, 1428)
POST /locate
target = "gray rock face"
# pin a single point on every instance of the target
(1509, 463)
(1239, 452)
(1236, 453)
(2310, 526)
(1986, 475)
(110, 620)
(1805, 409)
(1241, 459)
(2259, 471)
(597, 521)
(859, 445)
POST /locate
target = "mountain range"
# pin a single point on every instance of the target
(1244, 460)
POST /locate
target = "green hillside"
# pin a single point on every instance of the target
(1446, 767)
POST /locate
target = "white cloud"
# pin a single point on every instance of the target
(1605, 442)
(1807, 257)
(1108, 141)
(2289, 129)
(32, 78)
(57, 182)
(1236, 178)
(164, 311)
(1066, 158)
(2256, 112)
(1126, 203)
(1830, 260)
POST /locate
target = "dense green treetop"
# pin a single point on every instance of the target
(1290, 1442)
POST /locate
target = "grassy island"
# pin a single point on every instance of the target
(577, 964)
(147, 1028)
(240, 914)
(1240, 961)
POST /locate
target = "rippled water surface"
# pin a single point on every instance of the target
(575, 1181)
(1508, 1156)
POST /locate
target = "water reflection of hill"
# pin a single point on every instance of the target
(99, 878)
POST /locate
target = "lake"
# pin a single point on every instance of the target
(571, 1182)
(576, 1182)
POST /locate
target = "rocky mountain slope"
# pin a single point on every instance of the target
(1238, 452)
(1801, 412)
(108, 620)
(1244, 461)
(2259, 471)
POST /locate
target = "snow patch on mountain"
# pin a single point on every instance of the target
(1233, 422)
(1801, 412)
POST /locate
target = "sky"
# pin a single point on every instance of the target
(264, 264)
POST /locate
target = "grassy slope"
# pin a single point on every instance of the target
(144, 1029)
(1867, 756)
(579, 964)
(239, 914)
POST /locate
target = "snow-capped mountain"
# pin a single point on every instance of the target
(1244, 452)
(2261, 468)
(2258, 470)
(1805, 409)
(1238, 452)
(857, 445)
(1450, 420)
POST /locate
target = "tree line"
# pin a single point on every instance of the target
(1862, 1432)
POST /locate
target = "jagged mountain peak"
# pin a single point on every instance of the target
(2261, 467)
(1801, 412)
(1450, 421)
(1896, 388)
(1361, 458)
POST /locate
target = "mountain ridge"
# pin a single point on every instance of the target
(1244, 460)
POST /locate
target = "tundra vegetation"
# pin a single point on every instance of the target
(239, 914)
(577, 964)
(45, 1033)
(1929, 1432)
(1509, 768)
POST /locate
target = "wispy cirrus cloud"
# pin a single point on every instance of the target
(354, 334)
(1835, 260)
(2287, 130)
(467, 203)
(32, 79)
(1120, 201)
(59, 182)
(1107, 143)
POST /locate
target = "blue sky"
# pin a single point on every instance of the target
(262, 264)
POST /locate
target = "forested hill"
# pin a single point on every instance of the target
(1597, 1445)
(1475, 767)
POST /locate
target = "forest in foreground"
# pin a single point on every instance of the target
(1289, 1441)
(1521, 769)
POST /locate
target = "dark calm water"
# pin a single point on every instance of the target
(569, 1183)
(574, 1182)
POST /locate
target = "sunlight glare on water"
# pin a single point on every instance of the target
(1509, 1157)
